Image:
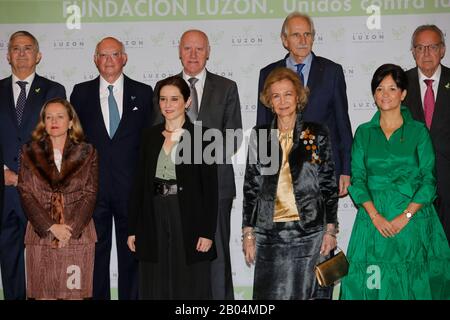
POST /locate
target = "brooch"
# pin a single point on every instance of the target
(309, 143)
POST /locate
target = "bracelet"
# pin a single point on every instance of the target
(249, 235)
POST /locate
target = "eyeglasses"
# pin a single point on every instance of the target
(431, 47)
(114, 55)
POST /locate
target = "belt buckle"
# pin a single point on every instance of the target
(165, 189)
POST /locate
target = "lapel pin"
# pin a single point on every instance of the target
(37, 90)
(133, 97)
(135, 108)
(447, 86)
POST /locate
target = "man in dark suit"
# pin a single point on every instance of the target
(327, 102)
(22, 96)
(113, 110)
(2, 184)
(215, 103)
(428, 98)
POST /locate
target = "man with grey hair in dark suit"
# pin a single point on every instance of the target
(215, 103)
(428, 98)
(22, 96)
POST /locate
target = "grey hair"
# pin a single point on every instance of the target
(426, 27)
(297, 14)
(23, 33)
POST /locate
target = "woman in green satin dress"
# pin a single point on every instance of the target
(397, 249)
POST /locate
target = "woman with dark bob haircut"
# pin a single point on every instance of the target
(398, 249)
(173, 206)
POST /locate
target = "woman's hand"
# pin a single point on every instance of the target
(249, 245)
(62, 232)
(329, 242)
(131, 243)
(203, 244)
(383, 226)
(399, 222)
(62, 244)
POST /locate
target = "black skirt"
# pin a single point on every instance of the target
(171, 277)
(285, 259)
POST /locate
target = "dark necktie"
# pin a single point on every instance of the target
(428, 102)
(114, 117)
(21, 100)
(193, 110)
(299, 72)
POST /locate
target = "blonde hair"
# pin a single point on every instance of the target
(279, 74)
(75, 133)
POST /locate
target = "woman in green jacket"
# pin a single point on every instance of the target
(398, 249)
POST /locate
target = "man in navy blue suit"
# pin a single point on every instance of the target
(113, 109)
(327, 102)
(22, 96)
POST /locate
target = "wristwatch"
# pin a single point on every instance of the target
(408, 214)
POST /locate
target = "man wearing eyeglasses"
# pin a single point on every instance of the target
(113, 110)
(327, 102)
(22, 96)
(428, 98)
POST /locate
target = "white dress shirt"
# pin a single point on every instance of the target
(104, 94)
(199, 85)
(16, 87)
(423, 86)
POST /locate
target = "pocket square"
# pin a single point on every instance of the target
(135, 108)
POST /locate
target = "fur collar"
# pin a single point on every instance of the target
(41, 160)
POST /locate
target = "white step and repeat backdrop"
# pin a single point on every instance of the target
(244, 37)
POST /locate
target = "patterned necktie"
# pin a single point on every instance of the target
(299, 72)
(114, 117)
(21, 100)
(428, 102)
(193, 110)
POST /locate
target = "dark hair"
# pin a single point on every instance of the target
(393, 70)
(175, 81)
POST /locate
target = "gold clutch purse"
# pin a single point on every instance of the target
(331, 270)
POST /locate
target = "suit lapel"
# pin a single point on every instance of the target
(127, 105)
(10, 104)
(208, 90)
(443, 97)
(35, 100)
(416, 100)
(315, 73)
(97, 113)
(314, 80)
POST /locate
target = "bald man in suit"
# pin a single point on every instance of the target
(113, 110)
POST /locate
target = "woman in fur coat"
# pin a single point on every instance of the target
(58, 180)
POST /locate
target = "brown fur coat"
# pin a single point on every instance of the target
(49, 196)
